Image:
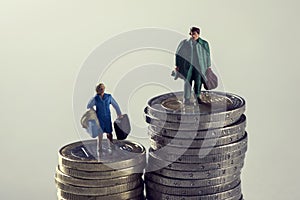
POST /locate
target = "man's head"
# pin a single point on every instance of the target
(195, 32)
(100, 88)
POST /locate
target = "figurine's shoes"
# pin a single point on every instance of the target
(99, 154)
(199, 101)
(187, 102)
(99, 149)
(109, 151)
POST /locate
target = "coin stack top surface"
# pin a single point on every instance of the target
(197, 151)
(113, 175)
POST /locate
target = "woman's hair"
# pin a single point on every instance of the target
(99, 86)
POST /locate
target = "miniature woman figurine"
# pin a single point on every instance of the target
(102, 101)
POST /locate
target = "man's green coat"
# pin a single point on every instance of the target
(184, 56)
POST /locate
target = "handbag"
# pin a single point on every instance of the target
(212, 80)
(122, 127)
(90, 122)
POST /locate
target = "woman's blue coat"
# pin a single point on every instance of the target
(103, 111)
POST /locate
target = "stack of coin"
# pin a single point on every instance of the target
(197, 150)
(83, 174)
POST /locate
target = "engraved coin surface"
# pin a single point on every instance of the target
(234, 193)
(131, 194)
(238, 126)
(78, 181)
(169, 149)
(101, 191)
(175, 182)
(80, 155)
(188, 191)
(218, 106)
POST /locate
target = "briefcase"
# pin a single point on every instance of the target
(212, 80)
(122, 127)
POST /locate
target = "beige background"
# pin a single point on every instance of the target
(43, 44)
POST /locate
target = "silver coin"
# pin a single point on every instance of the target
(191, 126)
(224, 106)
(235, 192)
(174, 182)
(196, 143)
(238, 126)
(237, 197)
(131, 194)
(240, 144)
(191, 166)
(102, 174)
(134, 198)
(200, 174)
(197, 158)
(94, 182)
(79, 156)
(100, 191)
(187, 191)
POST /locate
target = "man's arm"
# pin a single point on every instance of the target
(179, 60)
(116, 107)
(208, 55)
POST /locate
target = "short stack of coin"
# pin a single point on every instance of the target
(83, 174)
(197, 151)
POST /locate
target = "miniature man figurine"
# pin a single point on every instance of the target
(192, 61)
(102, 101)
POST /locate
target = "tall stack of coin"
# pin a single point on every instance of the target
(197, 150)
(83, 174)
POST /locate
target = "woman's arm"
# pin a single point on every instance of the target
(116, 106)
(91, 103)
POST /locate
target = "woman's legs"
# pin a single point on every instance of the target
(99, 143)
(110, 137)
(110, 141)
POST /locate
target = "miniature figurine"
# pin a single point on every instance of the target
(192, 61)
(102, 101)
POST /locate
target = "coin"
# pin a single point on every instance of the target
(231, 108)
(169, 149)
(134, 198)
(199, 159)
(131, 194)
(196, 143)
(77, 156)
(238, 126)
(200, 174)
(175, 182)
(192, 166)
(94, 182)
(235, 192)
(101, 191)
(186, 126)
(102, 174)
(188, 191)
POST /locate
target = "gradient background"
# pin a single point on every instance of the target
(43, 44)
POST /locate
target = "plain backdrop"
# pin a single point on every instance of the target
(44, 43)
